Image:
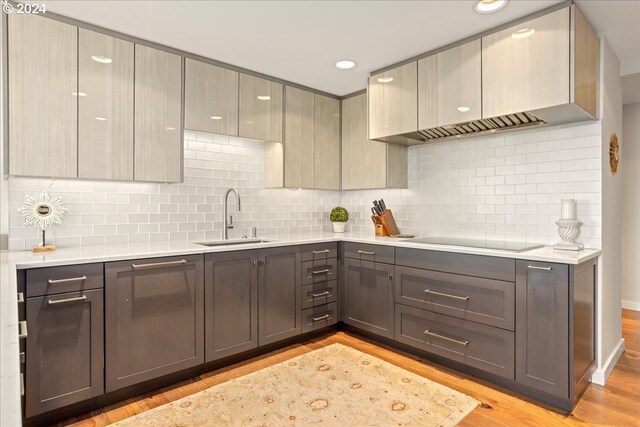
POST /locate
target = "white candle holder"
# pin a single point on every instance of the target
(568, 229)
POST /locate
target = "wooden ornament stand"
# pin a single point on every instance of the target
(44, 247)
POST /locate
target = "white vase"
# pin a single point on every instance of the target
(339, 227)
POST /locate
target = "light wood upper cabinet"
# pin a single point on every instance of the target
(585, 61)
(299, 134)
(42, 88)
(260, 109)
(105, 107)
(366, 163)
(393, 101)
(158, 115)
(449, 86)
(526, 67)
(210, 98)
(326, 143)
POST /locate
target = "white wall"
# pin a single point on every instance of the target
(4, 183)
(631, 206)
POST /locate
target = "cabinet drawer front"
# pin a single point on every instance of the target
(482, 347)
(319, 293)
(319, 251)
(319, 317)
(70, 278)
(319, 271)
(449, 262)
(487, 301)
(365, 252)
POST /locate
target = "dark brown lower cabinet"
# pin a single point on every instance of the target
(154, 321)
(65, 350)
(231, 303)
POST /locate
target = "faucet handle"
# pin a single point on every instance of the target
(254, 232)
(230, 224)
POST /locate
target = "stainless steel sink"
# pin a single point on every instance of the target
(232, 242)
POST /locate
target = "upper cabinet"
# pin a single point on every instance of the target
(43, 104)
(393, 102)
(260, 109)
(326, 146)
(449, 86)
(105, 106)
(299, 133)
(158, 115)
(210, 98)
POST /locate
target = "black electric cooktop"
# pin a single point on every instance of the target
(478, 243)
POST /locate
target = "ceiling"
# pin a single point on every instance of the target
(300, 41)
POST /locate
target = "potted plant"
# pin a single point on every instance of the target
(339, 217)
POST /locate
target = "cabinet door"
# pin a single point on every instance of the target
(298, 145)
(449, 88)
(393, 101)
(210, 98)
(43, 107)
(65, 350)
(154, 318)
(279, 294)
(542, 327)
(260, 109)
(526, 67)
(368, 294)
(231, 303)
(326, 143)
(105, 107)
(363, 161)
(158, 115)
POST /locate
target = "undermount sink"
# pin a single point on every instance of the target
(234, 242)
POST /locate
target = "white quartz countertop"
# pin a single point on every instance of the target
(10, 261)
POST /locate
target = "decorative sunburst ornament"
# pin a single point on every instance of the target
(614, 153)
(43, 210)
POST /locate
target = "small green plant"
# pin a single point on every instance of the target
(339, 214)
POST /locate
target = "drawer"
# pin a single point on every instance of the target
(319, 271)
(365, 252)
(69, 278)
(482, 347)
(487, 301)
(319, 293)
(319, 251)
(449, 262)
(319, 317)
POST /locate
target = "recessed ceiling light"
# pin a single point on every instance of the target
(263, 97)
(523, 33)
(101, 119)
(170, 128)
(488, 6)
(101, 59)
(385, 79)
(78, 94)
(215, 118)
(345, 64)
(463, 109)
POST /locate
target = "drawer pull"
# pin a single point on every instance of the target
(535, 267)
(22, 329)
(68, 300)
(366, 252)
(326, 270)
(321, 294)
(20, 298)
(21, 384)
(72, 279)
(324, 251)
(464, 343)
(159, 264)
(429, 291)
(22, 357)
(323, 317)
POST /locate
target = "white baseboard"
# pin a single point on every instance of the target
(631, 305)
(600, 376)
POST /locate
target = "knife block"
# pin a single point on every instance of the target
(379, 229)
(389, 223)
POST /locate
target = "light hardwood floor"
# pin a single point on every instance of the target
(617, 404)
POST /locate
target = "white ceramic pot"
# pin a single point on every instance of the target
(339, 227)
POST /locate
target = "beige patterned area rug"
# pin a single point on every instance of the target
(332, 386)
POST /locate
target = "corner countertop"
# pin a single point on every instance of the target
(10, 261)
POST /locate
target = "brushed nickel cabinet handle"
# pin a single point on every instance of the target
(429, 291)
(326, 270)
(535, 267)
(22, 329)
(20, 298)
(21, 384)
(324, 251)
(22, 357)
(321, 294)
(67, 300)
(71, 279)
(159, 264)
(366, 253)
(323, 317)
(464, 343)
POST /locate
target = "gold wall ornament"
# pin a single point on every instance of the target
(614, 153)
(43, 210)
